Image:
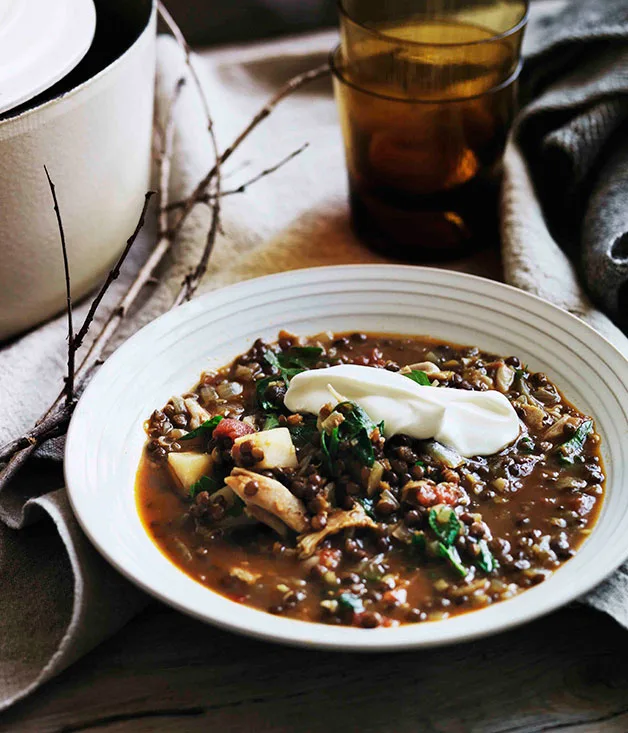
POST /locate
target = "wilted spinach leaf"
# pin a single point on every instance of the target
(206, 429)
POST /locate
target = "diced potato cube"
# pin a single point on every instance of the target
(276, 444)
(187, 468)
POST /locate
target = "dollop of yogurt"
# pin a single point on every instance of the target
(472, 423)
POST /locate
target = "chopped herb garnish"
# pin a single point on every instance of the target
(419, 541)
(445, 524)
(327, 456)
(356, 430)
(526, 445)
(329, 446)
(304, 353)
(206, 429)
(485, 560)
(303, 432)
(368, 505)
(286, 373)
(272, 359)
(571, 450)
(355, 419)
(271, 421)
(354, 433)
(293, 361)
(260, 393)
(420, 463)
(334, 441)
(363, 449)
(451, 554)
(350, 602)
(416, 375)
(205, 483)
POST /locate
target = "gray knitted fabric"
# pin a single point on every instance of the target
(573, 137)
(564, 214)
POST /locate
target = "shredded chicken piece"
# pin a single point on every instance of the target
(270, 520)
(331, 422)
(271, 496)
(534, 415)
(424, 366)
(198, 414)
(336, 522)
(443, 376)
(375, 475)
(325, 411)
(504, 377)
(558, 428)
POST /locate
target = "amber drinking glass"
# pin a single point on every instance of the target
(425, 122)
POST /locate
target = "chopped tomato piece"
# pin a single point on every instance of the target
(442, 493)
(426, 496)
(230, 428)
(448, 493)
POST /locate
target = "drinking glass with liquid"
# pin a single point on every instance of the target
(426, 94)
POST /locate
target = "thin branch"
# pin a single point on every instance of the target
(69, 380)
(16, 462)
(244, 186)
(288, 88)
(180, 39)
(55, 420)
(167, 145)
(194, 277)
(113, 275)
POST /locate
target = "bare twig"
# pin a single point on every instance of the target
(69, 380)
(55, 420)
(266, 172)
(165, 158)
(113, 275)
(194, 277)
(288, 88)
(57, 417)
(242, 188)
(18, 459)
(180, 39)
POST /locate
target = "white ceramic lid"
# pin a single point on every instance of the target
(40, 42)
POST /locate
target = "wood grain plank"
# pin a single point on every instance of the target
(166, 672)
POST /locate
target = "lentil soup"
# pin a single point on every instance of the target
(322, 518)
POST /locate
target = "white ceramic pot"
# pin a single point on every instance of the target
(95, 140)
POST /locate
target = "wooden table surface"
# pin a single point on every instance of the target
(166, 672)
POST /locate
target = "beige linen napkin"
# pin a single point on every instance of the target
(59, 598)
